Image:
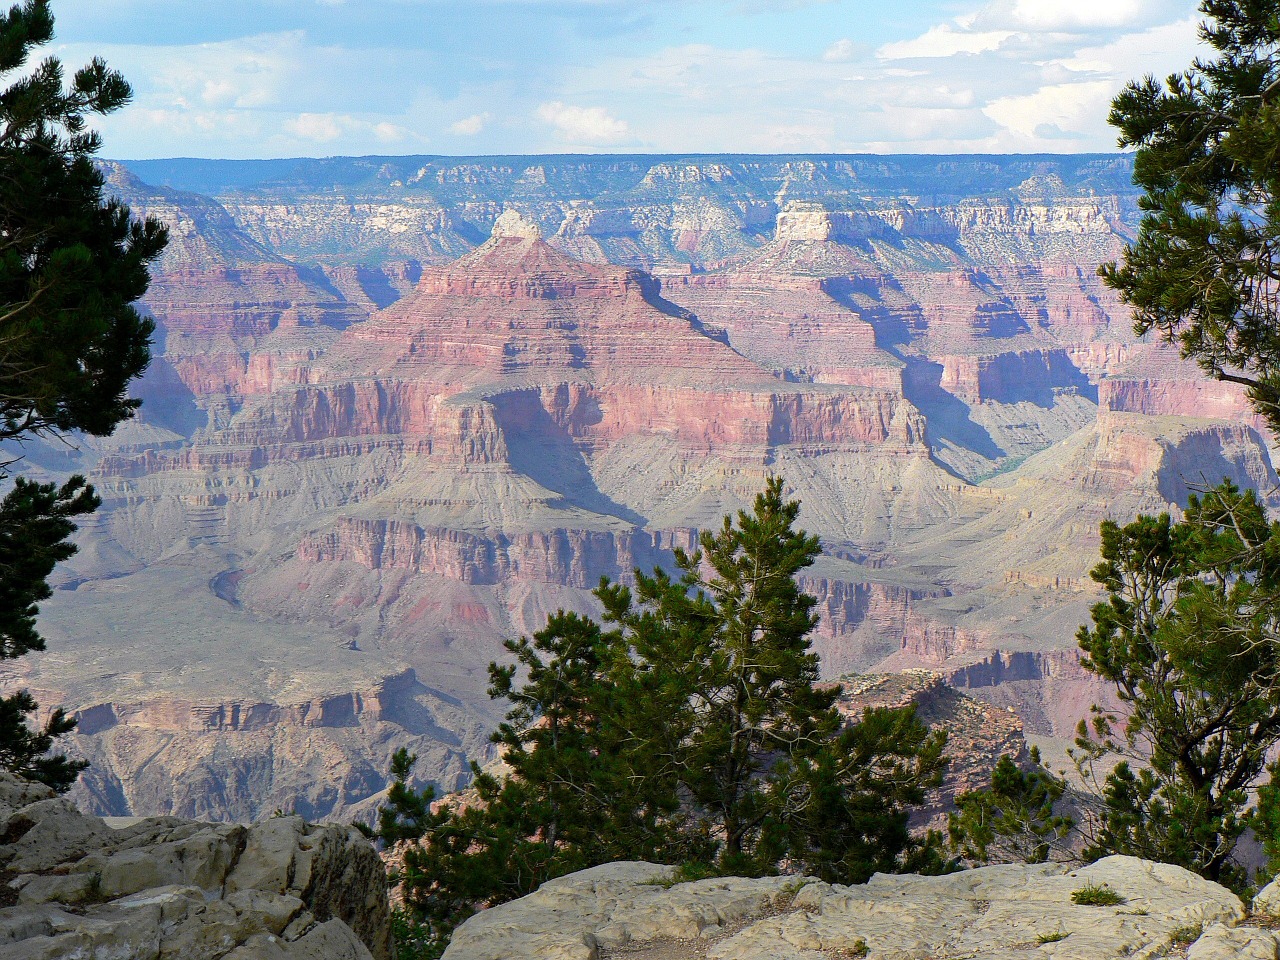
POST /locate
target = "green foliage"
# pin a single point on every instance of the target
(687, 872)
(593, 797)
(35, 524)
(411, 941)
(1266, 820)
(35, 527)
(407, 814)
(1015, 819)
(1186, 636)
(689, 729)
(737, 675)
(848, 802)
(1205, 270)
(71, 266)
(1097, 895)
(457, 866)
(568, 799)
(1056, 937)
(73, 263)
(25, 752)
(1186, 935)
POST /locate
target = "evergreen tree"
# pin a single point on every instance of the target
(1205, 270)
(843, 809)
(71, 266)
(567, 798)
(737, 665)
(34, 526)
(693, 730)
(1015, 820)
(1188, 634)
(407, 814)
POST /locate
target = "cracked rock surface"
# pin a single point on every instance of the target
(75, 886)
(1008, 912)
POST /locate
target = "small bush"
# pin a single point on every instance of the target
(1052, 937)
(1097, 895)
(858, 950)
(1185, 936)
(414, 941)
(686, 872)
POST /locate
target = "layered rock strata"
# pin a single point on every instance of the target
(396, 417)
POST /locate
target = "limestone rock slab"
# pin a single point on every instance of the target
(169, 889)
(1267, 900)
(1220, 942)
(1010, 912)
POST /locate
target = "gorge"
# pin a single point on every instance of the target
(403, 408)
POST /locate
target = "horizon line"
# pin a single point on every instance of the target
(605, 156)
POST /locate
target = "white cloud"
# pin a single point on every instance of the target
(944, 41)
(1160, 50)
(986, 75)
(588, 125)
(470, 126)
(218, 93)
(318, 127)
(247, 73)
(1078, 14)
(1056, 111)
(841, 51)
(390, 133)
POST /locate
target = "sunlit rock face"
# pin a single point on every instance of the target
(1008, 910)
(401, 411)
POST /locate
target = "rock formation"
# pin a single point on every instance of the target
(978, 734)
(403, 409)
(996, 913)
(73, 885)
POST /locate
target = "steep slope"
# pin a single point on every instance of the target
(924, 297)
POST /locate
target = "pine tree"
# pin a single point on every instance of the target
(1015, 820)
(1205, 270)
(71, 266)
(590, 796)
(35, 523)
(690, 729)
(843, 810)
(1190, 636)
(731, 650)
(567, 799)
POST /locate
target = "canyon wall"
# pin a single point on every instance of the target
(404, 409)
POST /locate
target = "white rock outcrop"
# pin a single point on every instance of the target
(513, 225)
(1013, 912)
(1267, 901)
(72, 886)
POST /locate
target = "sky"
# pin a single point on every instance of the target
(292, 78)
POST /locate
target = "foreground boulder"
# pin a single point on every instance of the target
(75, 886)
(1012, 912)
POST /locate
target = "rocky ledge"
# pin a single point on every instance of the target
(77, 886)
(1012, 912)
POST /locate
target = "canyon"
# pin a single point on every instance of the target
(402, 408)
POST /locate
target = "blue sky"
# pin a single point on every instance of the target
(283, 78)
